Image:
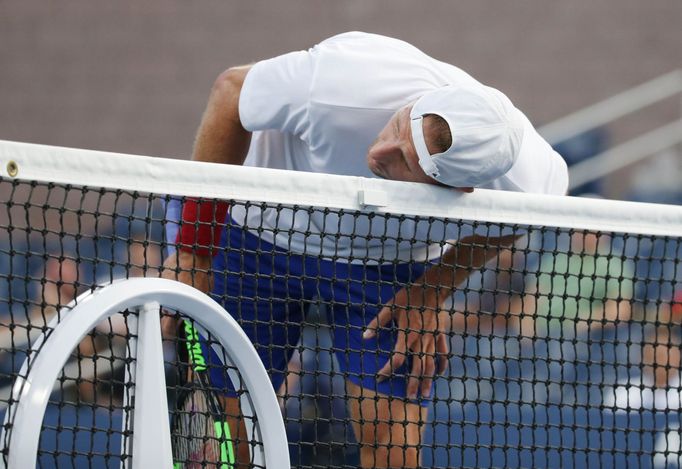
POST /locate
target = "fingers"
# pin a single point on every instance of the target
(420, 338)
(442, 353)
(428, 370)
(423, 369)
(429, 360)
(399, 303)
(380, 320)
(189, 269)
(397, 358)
(427, 367)
(415, 377)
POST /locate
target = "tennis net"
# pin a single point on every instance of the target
(564, 341)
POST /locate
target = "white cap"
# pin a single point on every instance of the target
(486, 128)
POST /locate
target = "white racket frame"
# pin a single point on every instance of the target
(151, 442)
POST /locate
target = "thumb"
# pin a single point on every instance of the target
(380, 320)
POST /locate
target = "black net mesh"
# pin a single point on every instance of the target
(559, 348)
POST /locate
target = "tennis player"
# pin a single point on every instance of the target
(362, 105)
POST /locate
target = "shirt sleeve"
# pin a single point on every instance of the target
(275, 94)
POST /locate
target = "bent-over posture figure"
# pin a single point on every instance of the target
(362, 105)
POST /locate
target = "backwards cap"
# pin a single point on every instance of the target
(486, 129)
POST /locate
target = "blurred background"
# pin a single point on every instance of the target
(133, 77)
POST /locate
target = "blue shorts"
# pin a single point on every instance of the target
(268, 291)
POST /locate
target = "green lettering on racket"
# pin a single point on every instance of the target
(222, 431)
(194, 347)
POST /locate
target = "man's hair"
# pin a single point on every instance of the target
(441, 130)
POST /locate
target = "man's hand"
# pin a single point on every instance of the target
(190, 269)
(415, 312)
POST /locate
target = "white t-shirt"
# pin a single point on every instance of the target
(319, 111)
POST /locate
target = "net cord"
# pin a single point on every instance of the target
(187, 178)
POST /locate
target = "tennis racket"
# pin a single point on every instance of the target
(200, 435)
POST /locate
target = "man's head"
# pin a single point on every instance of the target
(455, 136)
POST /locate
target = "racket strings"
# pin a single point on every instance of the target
(195, 441)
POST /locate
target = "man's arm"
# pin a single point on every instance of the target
(415, 311)
(221, 138)
(468, 254)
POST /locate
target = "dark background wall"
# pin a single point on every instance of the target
(133, 76)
